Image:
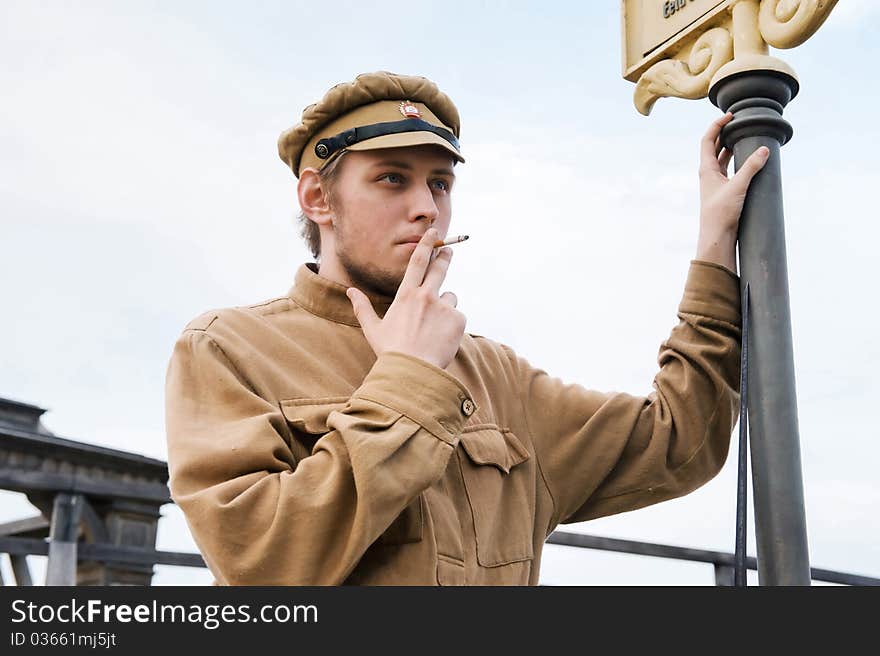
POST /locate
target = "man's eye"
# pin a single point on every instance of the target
(441, 185)
(394, 178)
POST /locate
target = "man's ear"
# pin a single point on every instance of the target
(313, 199)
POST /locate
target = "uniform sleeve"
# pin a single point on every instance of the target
(259, 516)
(606, 453)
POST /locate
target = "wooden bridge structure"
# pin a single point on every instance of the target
(98, 507)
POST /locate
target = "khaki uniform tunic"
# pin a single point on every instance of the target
(300, 458)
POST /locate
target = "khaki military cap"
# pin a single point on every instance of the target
(376, 110)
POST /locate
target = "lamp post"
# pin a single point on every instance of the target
(722, 52)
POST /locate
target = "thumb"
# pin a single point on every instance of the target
(363, 309)
(750, 167)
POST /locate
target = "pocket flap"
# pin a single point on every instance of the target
(489, 445)
(310, 415)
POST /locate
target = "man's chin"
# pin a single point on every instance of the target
(378, 282)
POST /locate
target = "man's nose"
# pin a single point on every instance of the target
(423, 205)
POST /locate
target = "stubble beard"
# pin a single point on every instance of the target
(369, 278)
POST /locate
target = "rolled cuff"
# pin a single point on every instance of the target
(428, 395)
(712, 291)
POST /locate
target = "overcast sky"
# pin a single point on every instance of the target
(140, 186)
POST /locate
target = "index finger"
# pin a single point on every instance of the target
(707, 144)
(419, 260)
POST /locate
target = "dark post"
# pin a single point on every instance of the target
(757, 99)
(124, 523)
(20, 569)
(63, 535)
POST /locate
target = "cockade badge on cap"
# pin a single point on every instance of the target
(408, 109)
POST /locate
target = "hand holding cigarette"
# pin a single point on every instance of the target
(420, 322)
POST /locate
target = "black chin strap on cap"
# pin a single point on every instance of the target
(326, 147)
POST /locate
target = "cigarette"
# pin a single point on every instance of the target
(450, 241)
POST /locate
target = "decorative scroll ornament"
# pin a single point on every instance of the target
(690, 79)
(788, 23)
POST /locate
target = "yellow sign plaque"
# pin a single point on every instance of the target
(678, 48)
(658, 29)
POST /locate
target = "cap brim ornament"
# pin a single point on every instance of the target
(377, 110)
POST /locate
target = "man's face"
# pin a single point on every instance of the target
(383, 202)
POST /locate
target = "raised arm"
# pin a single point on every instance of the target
(605, 453)
(608, 453)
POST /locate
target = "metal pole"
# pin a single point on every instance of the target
(757, 99)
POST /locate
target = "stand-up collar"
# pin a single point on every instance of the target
(326, 299)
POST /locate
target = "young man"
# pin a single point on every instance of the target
(352, 432)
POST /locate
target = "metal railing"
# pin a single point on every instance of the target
(723, 562)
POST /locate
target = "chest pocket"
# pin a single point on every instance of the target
(499, 476)
(307, 420)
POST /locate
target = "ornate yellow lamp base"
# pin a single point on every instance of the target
(735, 41)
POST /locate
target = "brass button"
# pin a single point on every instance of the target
(468, 407)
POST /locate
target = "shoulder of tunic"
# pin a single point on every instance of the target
(262, 309)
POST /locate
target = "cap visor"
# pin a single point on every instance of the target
(404, 139)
